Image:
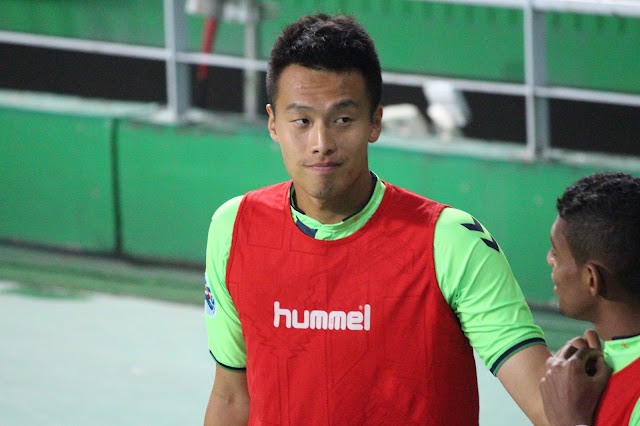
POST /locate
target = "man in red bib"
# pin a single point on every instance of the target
(339, 298)
(595, 256)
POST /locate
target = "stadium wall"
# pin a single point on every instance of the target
(146, 191)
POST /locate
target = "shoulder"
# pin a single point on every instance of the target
(410, 205)
(223, 220)
(228, 210)
(220, 235)
(271, 196)
(465, 253)
(456, 227)
(451, 218)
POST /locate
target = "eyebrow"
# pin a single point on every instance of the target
(347, 103)
(297, 107)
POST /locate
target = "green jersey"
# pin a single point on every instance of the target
(619, 353)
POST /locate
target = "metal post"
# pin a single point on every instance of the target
(251, 40)
(535, 62)
(178, 79)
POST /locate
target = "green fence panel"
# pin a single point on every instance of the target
(597, 52)
(450, 40)
(418, 37)
(125, 21)
(454, 40)
(119, 21)
(173, 179)
(56, 180)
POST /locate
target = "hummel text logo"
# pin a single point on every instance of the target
(323, 320)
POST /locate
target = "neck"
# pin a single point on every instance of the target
(335, 209)
(618, 320)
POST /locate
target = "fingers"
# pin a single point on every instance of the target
(589, 359)
(603, 370)
(584, 353)
(592, 339)
(571, 347)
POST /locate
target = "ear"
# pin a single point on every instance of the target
(272, 124)
(376, 125)
(594, 279)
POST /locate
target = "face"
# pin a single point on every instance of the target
(570, 279)
(323, 124)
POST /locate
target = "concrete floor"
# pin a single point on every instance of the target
(92, 358)
(101, 360)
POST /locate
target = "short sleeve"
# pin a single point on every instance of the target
(224, 331)
(635, 414)
(476, 280)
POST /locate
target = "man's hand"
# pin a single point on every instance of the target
(575, 379)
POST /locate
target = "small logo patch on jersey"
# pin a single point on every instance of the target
(209, 301)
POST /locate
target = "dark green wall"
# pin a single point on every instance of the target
(599, 52)
(56, 180)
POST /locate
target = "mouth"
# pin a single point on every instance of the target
(323, 167)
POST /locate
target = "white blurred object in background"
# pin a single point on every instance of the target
(237, 11)
(447, 109)
(404, 120)
(211, 8)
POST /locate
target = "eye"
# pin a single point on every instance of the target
(344, 120)
(301, 121)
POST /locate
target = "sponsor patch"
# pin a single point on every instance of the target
(209, 301)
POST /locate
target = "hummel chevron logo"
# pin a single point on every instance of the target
(475, 226)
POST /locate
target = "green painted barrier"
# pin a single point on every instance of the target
(56, 180)
(58, 188)
(173, 179)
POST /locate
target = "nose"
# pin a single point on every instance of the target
(550, 259)
(322, 142)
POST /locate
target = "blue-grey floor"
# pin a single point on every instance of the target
(107, 360)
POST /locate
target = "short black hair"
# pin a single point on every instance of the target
(323, 42)
(602, 215)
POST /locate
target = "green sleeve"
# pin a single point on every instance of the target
(635, 415)
(223, 325)
(477, 282)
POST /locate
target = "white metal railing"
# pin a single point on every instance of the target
(535, 89)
